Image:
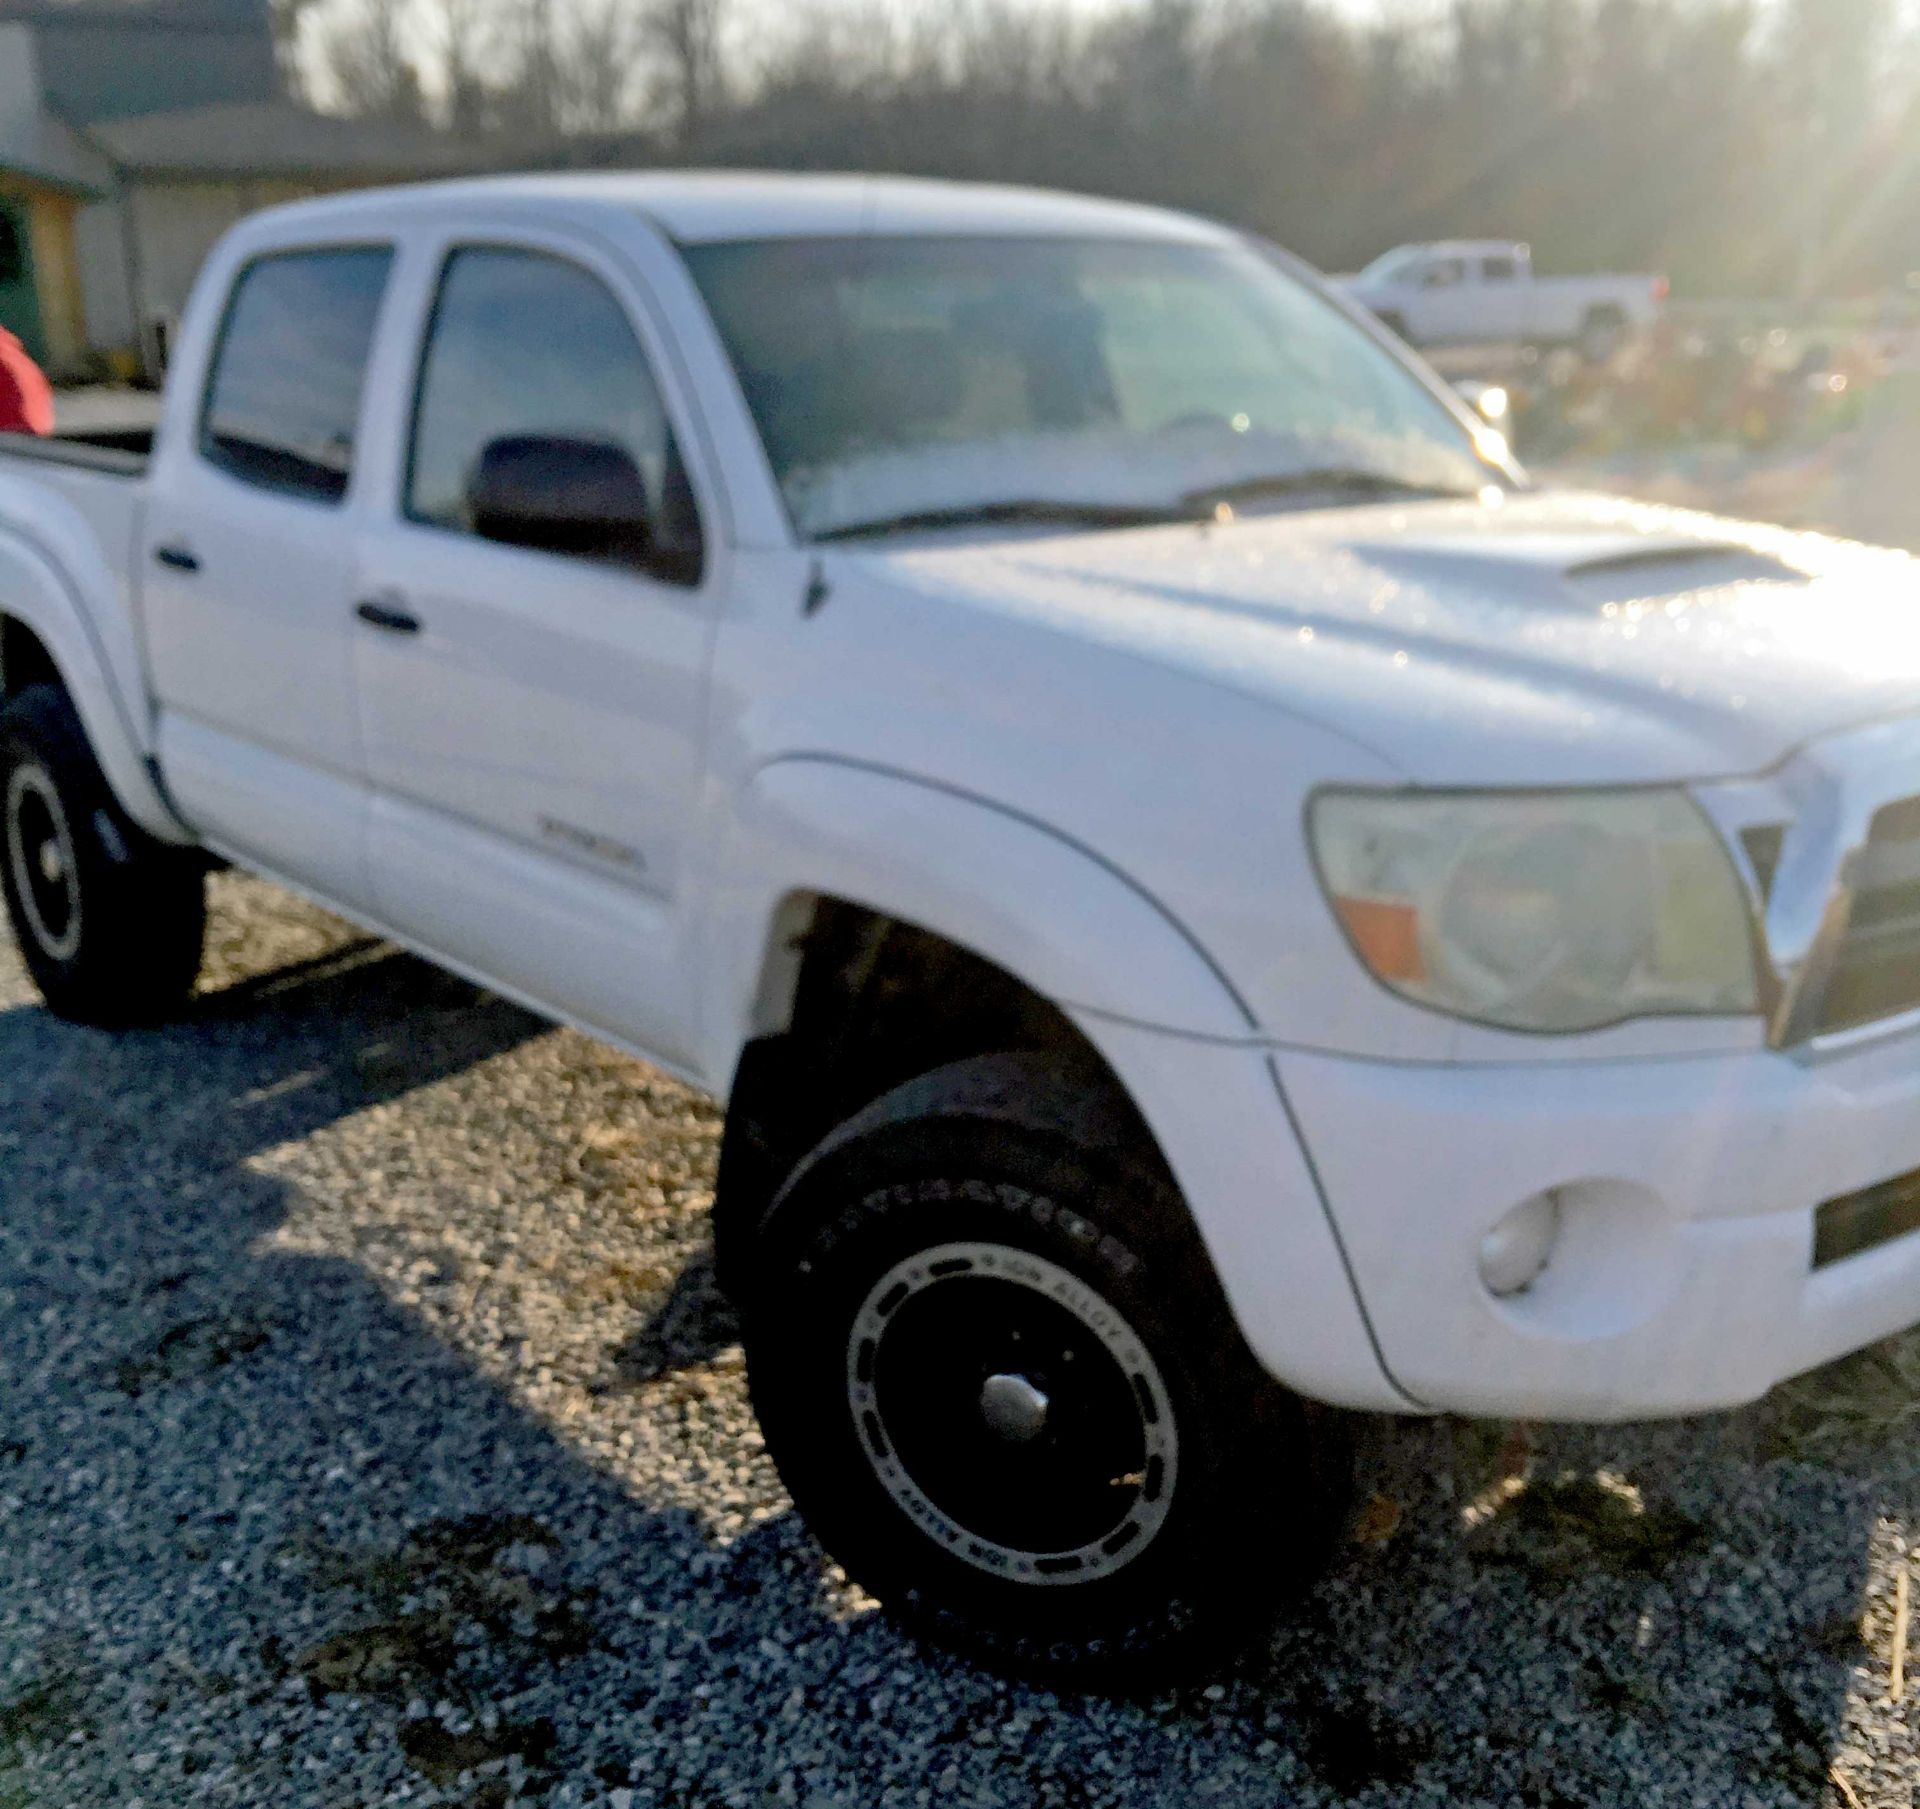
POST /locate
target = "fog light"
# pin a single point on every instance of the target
(1514, 1252)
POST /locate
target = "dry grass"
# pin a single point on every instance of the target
(1866, 1400)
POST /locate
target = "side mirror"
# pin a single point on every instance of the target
(558, 494)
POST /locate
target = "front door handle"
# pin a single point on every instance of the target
(378, 612)
(176, 558)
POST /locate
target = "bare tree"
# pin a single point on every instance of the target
(685, 39)
(604, 44)
(366, 67)
(460, 31)
(1743, 145)
(530, 98)
(286, 18)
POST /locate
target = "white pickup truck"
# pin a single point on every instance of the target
(1211, 900)
(1468, 292)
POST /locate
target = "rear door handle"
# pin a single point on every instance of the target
(176, 558)
(378, 612)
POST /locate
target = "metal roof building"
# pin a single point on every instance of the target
(132, 134)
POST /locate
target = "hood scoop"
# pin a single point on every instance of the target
(1582, 570)
(1660, 569)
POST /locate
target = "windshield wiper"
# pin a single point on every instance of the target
(1356, 480)
(1043, 510)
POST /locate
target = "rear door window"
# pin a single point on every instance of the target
(283, 395)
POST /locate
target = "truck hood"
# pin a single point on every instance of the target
(1537, 639)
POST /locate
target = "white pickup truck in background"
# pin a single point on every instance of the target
(1478, 292)
(1209, 899)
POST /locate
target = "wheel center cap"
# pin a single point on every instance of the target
(1013, 1407)
(53, 867)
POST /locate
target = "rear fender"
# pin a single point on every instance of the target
(58, 585)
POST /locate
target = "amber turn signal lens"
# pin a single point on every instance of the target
(1386, 934)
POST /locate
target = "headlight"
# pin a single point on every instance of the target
(1550, 911)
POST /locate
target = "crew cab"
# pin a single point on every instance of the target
(1216, 907)
(1477, 292)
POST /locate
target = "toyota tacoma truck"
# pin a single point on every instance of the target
(1217, 908)
(1467, 292)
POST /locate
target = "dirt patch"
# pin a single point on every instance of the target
(186, 1352)
(1566, 1526)
(468, 1585)
(442, 1756)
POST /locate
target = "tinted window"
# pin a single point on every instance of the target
(1498, 270)
(1444, 273)
(284, 396)
(525, 344)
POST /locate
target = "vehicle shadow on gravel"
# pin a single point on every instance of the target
(252, 1508)
(369, 1422)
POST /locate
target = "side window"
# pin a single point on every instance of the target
(283, 397)
(539, 423)
(1499, 270)
(1443, 273)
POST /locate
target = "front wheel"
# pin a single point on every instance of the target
(109, 921)
(1000, 1382)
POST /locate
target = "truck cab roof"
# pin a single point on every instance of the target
(708, 206)
(1465, 248)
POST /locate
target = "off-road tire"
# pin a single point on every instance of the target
(1602, 334)
(1008, 1154)
(110, 922)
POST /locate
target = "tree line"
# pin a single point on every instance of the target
(1745, 147)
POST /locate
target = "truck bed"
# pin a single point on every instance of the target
(110, 451)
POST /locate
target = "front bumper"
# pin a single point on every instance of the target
(1684, 1278)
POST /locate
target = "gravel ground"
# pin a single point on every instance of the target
(370, 1433)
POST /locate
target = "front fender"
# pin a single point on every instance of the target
(1070, 924)
(77, 617)
(1059, 916)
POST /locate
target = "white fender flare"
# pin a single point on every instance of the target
(98, 660)
(1056, 914)
(1070, 924)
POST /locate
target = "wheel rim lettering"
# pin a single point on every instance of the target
(1012, 1414)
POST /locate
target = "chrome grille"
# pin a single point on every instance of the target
(1875, 965)
(1828, 843)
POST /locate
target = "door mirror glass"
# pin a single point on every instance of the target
(560, 494)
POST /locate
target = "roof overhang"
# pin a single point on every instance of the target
(15, 176)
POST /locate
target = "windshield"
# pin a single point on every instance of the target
(901, 378)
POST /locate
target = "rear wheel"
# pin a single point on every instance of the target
(1602, 335)
(1000, 1382)
(109, 921)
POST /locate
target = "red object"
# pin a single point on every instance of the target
(26, 397)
